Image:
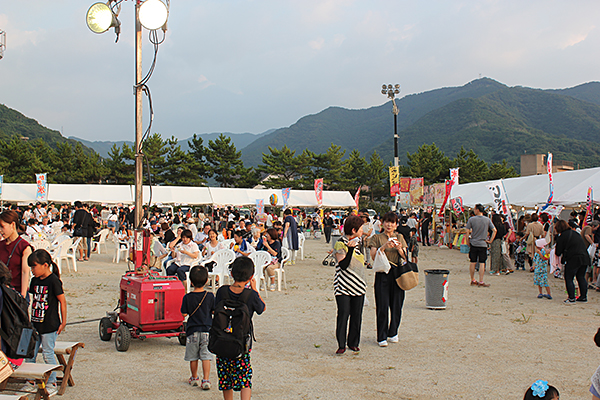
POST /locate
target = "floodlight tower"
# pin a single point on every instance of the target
(2, 43)
(391, 92)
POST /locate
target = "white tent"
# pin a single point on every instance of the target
(110, 194)
(176, 195)
(570, 189)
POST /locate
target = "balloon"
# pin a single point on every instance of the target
(273, 199)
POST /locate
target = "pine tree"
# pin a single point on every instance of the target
(430, 163)
(225, 162)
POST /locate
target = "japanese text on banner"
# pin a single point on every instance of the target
(394, 181)
(500, 201)
(319, 191)
(41, 194)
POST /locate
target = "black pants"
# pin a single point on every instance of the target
(349, 307)
(327, 231)
(175, 269)
(425, 236)
(389, 299)
(576, 271)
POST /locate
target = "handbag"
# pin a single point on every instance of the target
(381, 262)
(407, 275)
(512, 237)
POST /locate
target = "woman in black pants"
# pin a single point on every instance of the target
(389, 298)
(349, 285)
(425, 222)
(570, 245)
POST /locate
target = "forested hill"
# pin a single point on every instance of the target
(13, 123)
(496, 121)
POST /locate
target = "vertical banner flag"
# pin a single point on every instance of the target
(456, 205)
(260, 206)
(42, 188)
(590, 207)
(357, 197)
(549, 166)
(404, 185)
(416, 191)
(394, 181)
(1, 183)
(286, 195)
(454, 175)
(448, 187)
(319, 191)
(500, 201)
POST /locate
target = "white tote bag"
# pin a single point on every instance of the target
(381, 263)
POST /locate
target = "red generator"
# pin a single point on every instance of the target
(149, 306)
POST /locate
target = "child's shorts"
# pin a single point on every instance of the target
(234, 374)
(415, 251)
(196, 347)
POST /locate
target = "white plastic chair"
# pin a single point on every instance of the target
(59, 239)
(301, 239)
(122, 247)
(62, 253)
(41, 244)
(285, 256)
(260, 259)
(72, 251)
(222, 258)
(228, 243)
(101, 240)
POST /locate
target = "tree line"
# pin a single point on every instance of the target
(168, 164)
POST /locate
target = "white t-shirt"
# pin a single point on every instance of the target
(200, 237)
(377, 226)
(184, 259)
(210, 250)
(412, 223)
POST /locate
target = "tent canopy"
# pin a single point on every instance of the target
(570, 189)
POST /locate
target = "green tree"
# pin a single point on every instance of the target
(248, 178)
(430, 163)
(154, 148)
(472, 167)
(330, 167)
(20, 161)
(197, 153)
(120, 165)
(355, 172)
(501, 171)
(285, 169)
(225, 162)
(376, 177)
(178, 170)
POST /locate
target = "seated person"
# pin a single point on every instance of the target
(212, 245)
(241, 247)
(184, 254)
(33, 228)
(202, 236)
(271, 244)
(256, 239)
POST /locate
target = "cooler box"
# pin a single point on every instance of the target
(436, 288)
(151, 302)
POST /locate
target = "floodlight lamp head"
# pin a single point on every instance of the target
(396, 91)
(100, 18)
(397, 86)
(153, 14)
(389, 86)
(383, 91)
(384, 87)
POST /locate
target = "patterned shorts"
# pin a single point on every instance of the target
(234, 374)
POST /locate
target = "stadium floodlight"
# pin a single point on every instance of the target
(153, 14)
(391, 92)
(101, 18)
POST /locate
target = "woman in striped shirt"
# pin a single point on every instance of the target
(349, 285)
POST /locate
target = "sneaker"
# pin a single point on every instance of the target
(193, 381)
(473, 283)
(540, 296)
(340, 351)
(383, 343)
(29, 387)
(51, 389)
(272, 287)
(481, 284)
(570, 301)
(579, 299)
(393, 339)
(205, 384)
(548, 296)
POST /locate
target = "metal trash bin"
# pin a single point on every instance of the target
(436, 288)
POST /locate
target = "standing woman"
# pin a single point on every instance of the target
(389, 298)
(425, 222)
(14, 251)
(349, 285)
(290, 232)
(496, 246)
(570, 245)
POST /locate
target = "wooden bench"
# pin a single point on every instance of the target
(40, 373)
(61, 349)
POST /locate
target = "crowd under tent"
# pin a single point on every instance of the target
(570, 189)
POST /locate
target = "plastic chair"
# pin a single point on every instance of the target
(285, 256)
(41, 244)
(100, 241)
(122, 247)
(62, 253)
(228, 243)
(222, 258)
(261, 259)
(301, 239)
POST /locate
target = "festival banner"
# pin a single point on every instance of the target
(500, 201)
(319, 191)
(416, 191)
(549, 166)
(440, 192)
(448, 188)
(357, 197)
(1, 184)
(429, 195)
(394, 181)
(454, 175)
(457, 205)
(404, 185)
(404, 200)
(260, 206)
(286, 195)
(41, 194)
(553, 210)
(590, 207)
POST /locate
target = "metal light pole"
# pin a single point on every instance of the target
(138, 120)
(391, 92)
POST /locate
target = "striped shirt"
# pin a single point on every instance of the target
(350, 281)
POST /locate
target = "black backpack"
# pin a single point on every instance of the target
(231, 330)
(15, 327)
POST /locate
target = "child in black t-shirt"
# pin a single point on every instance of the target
(47, 294)
(199, 304)
(413, 246)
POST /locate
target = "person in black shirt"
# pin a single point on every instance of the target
(327, 226)
(570, 245)
(404, 229)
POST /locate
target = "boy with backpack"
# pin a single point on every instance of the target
(231, 332)
(199, 304)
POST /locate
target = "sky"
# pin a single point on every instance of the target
(253, 65)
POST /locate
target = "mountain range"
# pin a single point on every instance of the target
(496, 121)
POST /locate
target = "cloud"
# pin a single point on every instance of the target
(317, 44)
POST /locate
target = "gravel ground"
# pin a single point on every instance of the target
(490, 343)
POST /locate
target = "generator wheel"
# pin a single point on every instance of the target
(182, 338)
(103, 327)
(122, 338)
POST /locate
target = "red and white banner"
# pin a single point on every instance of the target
(319, 191)
(41, 194)
(448, 184)
(454, 175)
(357, 197)
(457, 205)
(500, 201)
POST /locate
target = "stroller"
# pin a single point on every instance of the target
(330, 257)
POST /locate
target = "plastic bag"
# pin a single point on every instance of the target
(381, 262)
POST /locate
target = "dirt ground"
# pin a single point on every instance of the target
(490, 343)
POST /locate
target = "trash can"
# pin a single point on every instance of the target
(436, 288)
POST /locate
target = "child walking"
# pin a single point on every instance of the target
(520, 252)
(413, 246)
(198, 306)
(540, 261)
(47, 298)
(236, 374)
